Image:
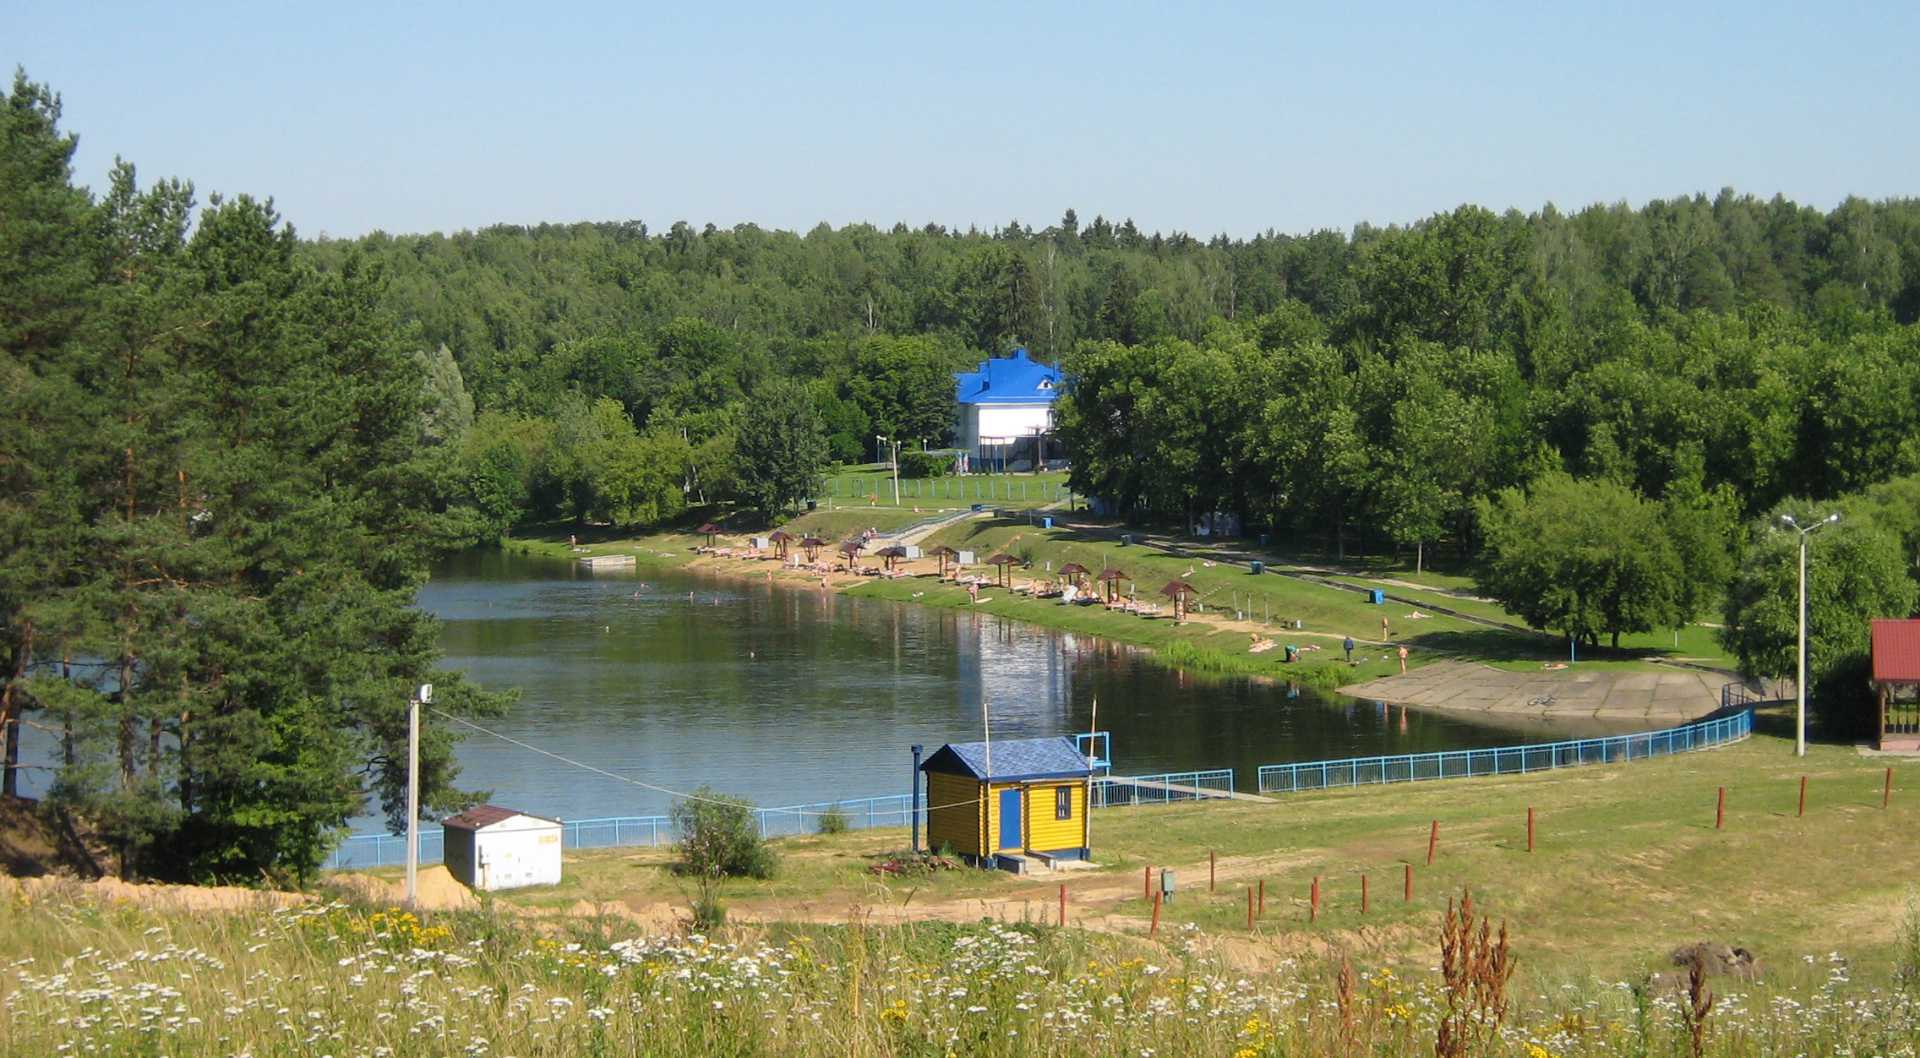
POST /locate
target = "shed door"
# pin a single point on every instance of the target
(1010, 814)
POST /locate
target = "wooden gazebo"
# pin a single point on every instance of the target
(890, 554)
(851, 549)
(1073, 571)
(1003, 562)
(1896, 683)
(781, 541)
(1179, 591)
(812, 545)
(1111, 577)
(710, 531)
(944, 554)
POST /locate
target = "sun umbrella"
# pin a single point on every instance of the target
(709, 529)
(1074, 571)
(1004, 561)
(851, 549)
(943, 553)
(781, 540)
(1178, 590)
(1111, 577)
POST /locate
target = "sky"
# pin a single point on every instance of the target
(1204, 118)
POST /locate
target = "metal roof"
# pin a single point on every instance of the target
(1896, 651)
(487, 815)
(1016, 379)
(1014, 759)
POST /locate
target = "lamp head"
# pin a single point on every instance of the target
(1832, 518)
(1788, 519)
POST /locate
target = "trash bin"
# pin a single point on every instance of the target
(813, 505)
(978, 507)
(1376, 596)
(1257, 566)
(1265, 539)
(1046, 522)
(1125, 539)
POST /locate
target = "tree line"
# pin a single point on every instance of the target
(221, 480)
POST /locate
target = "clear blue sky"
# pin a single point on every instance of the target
(1234, 118)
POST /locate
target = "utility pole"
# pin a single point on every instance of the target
(423, 696)
(1800, 655)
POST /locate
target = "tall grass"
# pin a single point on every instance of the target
(90, 978)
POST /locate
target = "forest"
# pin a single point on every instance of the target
(233, 451)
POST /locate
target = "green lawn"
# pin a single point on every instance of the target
(856, 486)
(1627, 864)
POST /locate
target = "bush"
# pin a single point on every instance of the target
(833, 820)
(925, 465)
(719, 837)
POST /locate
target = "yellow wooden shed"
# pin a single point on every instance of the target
(1020, 801)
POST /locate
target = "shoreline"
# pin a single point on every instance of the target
(1199, 644)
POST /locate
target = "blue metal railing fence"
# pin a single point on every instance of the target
(361, 851)
(1506, 760)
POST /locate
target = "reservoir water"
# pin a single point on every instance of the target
(788, 694)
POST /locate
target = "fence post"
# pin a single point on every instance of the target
(1433, 840)
(1363, 894)
(1063, 905)
(1155, 928)
(1407, 895)
(1263, 896)
(1529, 828)
(1313, 900)
(1146, 882)
(1803, 799)
(1720, 809)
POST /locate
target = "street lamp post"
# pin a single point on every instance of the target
(1800, 655)
(892, 449)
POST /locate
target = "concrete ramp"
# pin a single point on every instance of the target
(1648, 698)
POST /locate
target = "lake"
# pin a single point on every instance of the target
(787, 694)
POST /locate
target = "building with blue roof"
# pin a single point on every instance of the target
(1006, 411)
(1011, 803)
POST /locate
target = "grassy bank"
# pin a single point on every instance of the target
(830, 960)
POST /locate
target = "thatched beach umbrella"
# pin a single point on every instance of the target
(812, 545)
(781, 540)
(1111, 577)
(1178, 591)
(891, 554)
(944, 553)
(851, 550)
(1004, 561)
(710, 530)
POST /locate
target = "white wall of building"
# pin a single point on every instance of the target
(510, 854)
(996, 424)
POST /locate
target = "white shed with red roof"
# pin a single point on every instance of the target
(490, 847)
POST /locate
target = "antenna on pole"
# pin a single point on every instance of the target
(986, 729)
(421, 697)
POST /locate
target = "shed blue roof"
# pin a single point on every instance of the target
(1014, 760)
(1016, 379)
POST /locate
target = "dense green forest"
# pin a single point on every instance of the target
(1601, 411)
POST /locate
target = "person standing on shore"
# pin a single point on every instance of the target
(1384, 633)
(1348, 646)
(1403, 659)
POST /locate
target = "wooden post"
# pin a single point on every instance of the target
(1063, 904)
(1363, 894)
(1263, 896)
(1407, 896)
(1803, 798)
(1146, 883)
(1155, 928)
(1313, 900)
(1529, 828)
(1433, 841)
(1249, 907)
(1209, 870)
(1886, 791)
(1720, 810)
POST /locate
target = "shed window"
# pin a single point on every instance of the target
(1063, 802)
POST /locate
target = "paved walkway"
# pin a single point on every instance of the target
(1656, 699)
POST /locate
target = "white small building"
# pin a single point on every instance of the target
(1006, 411)
(489, 847)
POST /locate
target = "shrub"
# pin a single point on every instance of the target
(719, 837)
(833, 820)
(925, 465)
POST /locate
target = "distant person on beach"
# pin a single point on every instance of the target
(1403, 659)
(1384, 634)
(1347, 645)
